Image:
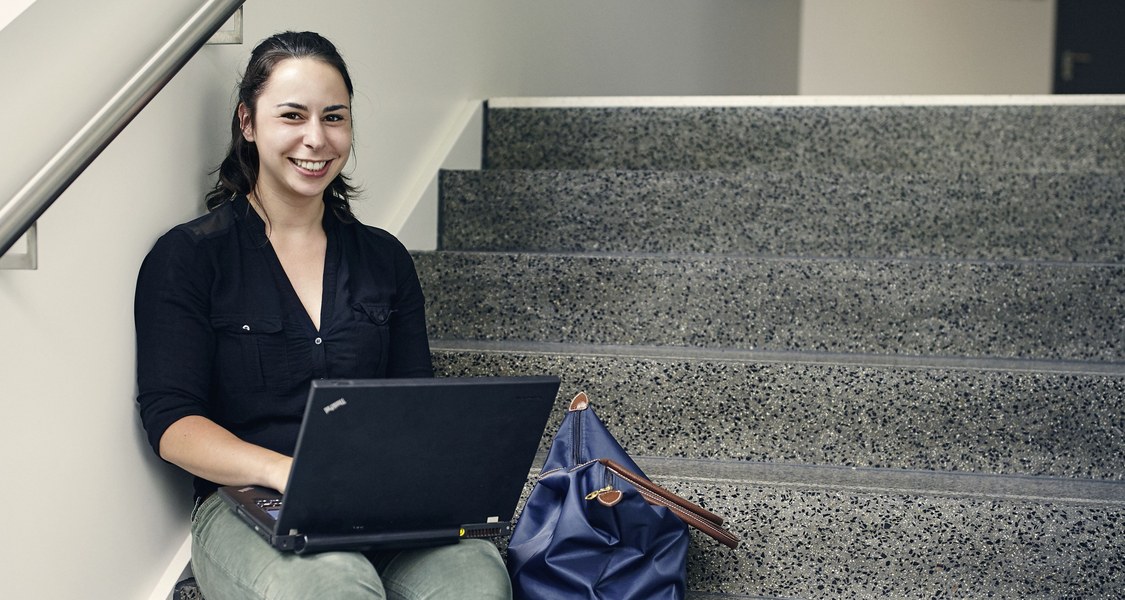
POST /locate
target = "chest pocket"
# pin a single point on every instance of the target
(372, 339)
(251, 352)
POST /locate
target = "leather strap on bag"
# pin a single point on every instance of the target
(580, 402)
(688, 512)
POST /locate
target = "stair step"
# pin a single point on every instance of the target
(726, 596)
(910, 307)
(884, 340)
(816, 532)
(1049, 216)
(1027, 138)
(1014, 417)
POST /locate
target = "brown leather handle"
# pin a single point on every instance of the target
(580, 402)
(689, 512)
(639, 481)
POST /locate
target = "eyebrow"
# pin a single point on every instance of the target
(298, 106)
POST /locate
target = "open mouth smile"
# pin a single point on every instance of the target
(312, 166)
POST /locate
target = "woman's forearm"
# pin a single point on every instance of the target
(205, 449)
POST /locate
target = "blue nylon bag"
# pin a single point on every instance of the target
(582, 437)
(568, 546)
(594, 527)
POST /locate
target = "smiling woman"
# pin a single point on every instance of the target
(279, 284)
(276, 69)
(302, 130)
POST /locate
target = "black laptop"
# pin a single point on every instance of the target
(398, 463)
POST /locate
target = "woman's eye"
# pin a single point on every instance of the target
(334, 118)
(291, 116)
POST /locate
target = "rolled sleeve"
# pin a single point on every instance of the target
(175, 341)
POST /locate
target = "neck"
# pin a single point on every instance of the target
(282, 217)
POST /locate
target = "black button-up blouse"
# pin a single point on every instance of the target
(221, 332)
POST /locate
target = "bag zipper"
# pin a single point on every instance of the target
(576, 436)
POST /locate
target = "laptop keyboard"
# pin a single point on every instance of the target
(272, 506)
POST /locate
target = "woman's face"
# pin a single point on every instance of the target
(302, 128)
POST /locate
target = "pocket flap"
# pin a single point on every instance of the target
(246, 323)
(378, 313)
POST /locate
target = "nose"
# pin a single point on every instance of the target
(314, 134)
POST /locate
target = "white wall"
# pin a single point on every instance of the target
(926, 46)
(10, 9)
(89, 511)
(429, 52)
(658, 47)
(71, 449)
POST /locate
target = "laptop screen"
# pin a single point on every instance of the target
(402, 454)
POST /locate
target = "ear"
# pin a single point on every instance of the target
(245, 122)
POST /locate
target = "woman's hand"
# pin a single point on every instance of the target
(279, 473)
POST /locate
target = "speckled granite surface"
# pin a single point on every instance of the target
(1046, 216)
(1021, 138)
(963, 420)
(937, 413)
(868, 543)
(814, 532)
(831, 532)
(926, 404)
(1070, 311)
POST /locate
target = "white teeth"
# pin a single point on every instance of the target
(310, 164)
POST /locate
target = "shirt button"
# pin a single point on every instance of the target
(318, 341)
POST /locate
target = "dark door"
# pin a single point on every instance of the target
(1090, 47)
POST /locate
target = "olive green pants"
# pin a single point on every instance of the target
(231, 562)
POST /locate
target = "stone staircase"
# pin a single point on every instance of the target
(887, 341)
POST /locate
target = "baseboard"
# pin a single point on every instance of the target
(775, 101)
(416, 222)
(175, 571)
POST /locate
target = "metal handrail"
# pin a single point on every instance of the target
(35, 197)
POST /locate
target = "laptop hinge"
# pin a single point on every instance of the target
(309, 544)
